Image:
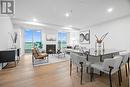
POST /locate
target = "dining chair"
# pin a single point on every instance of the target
(78, 61)
(109, 66)
(125, 61)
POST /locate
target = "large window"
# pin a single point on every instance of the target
(62, 39)
(32, 38)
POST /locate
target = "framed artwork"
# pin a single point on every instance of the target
(85, 37)
(51, 37)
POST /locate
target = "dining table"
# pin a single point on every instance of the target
(98, 53)
(95, 56)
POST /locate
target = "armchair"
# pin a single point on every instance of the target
(36, 54)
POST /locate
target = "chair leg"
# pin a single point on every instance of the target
(87, 70)
(120, 74)
(64, 54)
(119, 78)
(100, 73)
(91, 74)
(128, 64)
(81, 63)
(126, 69)
(33, 61)
(47, 59)
(70, 67)
(15, 63)
(110, 80)
(2, 65)
(77, 68)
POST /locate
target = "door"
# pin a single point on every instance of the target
(32, 38)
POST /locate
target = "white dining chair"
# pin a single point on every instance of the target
(80, 62)
(125, 61)
(109, 66)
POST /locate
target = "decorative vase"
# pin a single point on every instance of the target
(99, 46)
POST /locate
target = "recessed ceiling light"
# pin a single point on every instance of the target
(110, 10)
(67, 14)
(34, 19)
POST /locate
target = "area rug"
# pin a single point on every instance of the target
(52, 58)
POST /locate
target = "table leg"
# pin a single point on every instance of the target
(101, 61)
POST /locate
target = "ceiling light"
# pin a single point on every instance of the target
(34, 19)
(110, 10)
(67, 14)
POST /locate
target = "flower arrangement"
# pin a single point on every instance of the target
(101, 39)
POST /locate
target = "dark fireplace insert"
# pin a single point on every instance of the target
(51, 48)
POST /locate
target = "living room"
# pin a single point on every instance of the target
(44, 43)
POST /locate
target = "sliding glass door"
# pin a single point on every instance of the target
(28, 41)
(62, 40)
(37, 39)
(32, 38)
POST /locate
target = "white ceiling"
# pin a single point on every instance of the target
(84, 12)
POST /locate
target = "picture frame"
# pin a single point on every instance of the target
(51, 37)
(84, 37)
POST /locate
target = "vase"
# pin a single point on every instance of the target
(99, 47)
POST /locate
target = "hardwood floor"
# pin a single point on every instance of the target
(53, 75)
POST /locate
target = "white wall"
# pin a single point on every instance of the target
(119, 33)
(20, 39)
(5, 28)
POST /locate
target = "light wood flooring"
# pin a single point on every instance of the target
(52, 75)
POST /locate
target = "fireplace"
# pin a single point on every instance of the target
(51, 48)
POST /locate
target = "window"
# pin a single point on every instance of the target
(32, 38)
(62, 39)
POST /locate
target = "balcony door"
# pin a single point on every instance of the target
(62, 40)
(32, 38)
